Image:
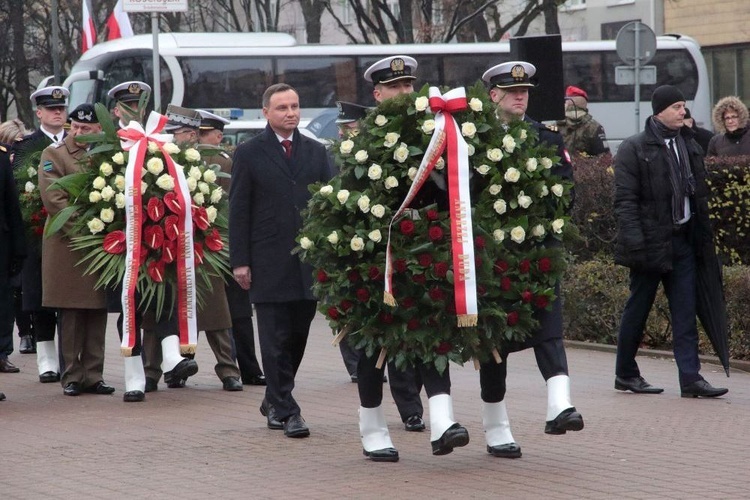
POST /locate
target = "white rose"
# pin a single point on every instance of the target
(544, 191)
(470, 150)
(495, 189)
(171, 148)
(500, 206)
(524, 201)
(391, 138)
(192, 184)
(211, 213)
(391, 182)
(209, 176)
(342, 196)
(107, 215)
(411, 173)
(546, 163)
(333, 238)
(523, 135)
(498, 235)
(364, 204)
(120, 183)
(199, 199)
(120, 200)
(95, 225)
(29, 187)
(475, 104)
(165, 182)
(326, 190)
(517, 234)
(204, 188)
(378, 211)
(95, 197)
(357, 244)
(440, 164)
(512, 175)
(468, 129)
(483, 169)
(144, 187)
(401, 153)
(31, 172)
(557, 225)
(509, 143)
(374, 172)
(155, 166)
(216, 195)
(99, 183)
(306, 243)
(428, 126)
(558, 190)
(192, 155)
(106, 169)
(346, 147)
(195, 173)
(119, 158)
(420, 103)
(380, 120)
(375, 236)
(531, 164)
(107, 193)
(361, 156)
(494, 154)
(538, 231)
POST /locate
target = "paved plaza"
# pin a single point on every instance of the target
(202, 442)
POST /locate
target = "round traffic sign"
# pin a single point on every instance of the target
(626, 43)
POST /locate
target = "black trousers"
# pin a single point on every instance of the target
(283, 329)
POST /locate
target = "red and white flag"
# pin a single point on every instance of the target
(88, 35)
(118, 23)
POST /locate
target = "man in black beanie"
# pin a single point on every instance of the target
(663, 234)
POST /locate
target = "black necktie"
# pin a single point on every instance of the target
(673, 150)
(54, 138)
(287, 147)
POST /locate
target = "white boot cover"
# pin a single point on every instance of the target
(46, 357)
(135, 377)
(373, 429)
(170, 352)
(558, 396)
(496, 424)
(441, 415)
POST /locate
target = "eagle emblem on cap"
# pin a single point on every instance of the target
(82, 115)
(57, 94)
(517, 72)
(397, 64)
(134, 88)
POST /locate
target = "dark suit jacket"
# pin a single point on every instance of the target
(267, 194)
(13, 241)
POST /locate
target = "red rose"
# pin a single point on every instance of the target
(156, 270)
(114, 242)
(43, 211)
(375, 274)
(153, 236)
(407, 227)
(200, 218)
(386, 318)
(441, 269)
(346, 305)
(198, 250)
(505, 284)
(524, 266)
(478, 260)
(419, 279)
(436, 293)
(333, 313)
(443, 348)
(400, 265)
(412, 324)
(500, 266)
(168, 251)
(435, 233)
(544, 264)
(173, 203)
(408, 302)
(541, 301)
(170, 227)
(213, 241)
(155, 209)
(363, 295)
(512, 318)
(479, 242)
(424, 259)
(432, 215)
(353, 276)
(527, 296)
(35, 218)
(322, 276)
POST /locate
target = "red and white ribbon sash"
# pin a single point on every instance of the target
(135, 140)
(447, 135)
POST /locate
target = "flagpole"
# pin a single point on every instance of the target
(157, 76)
(55, 43)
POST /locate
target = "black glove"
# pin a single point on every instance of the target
(15, 266)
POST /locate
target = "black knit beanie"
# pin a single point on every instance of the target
(665, 96)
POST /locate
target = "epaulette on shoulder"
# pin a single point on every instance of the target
(552, 127)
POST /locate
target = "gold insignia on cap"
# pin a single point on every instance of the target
(517, 72)
(57, 94)
(397, 64)
(134, 88)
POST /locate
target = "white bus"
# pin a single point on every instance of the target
(230, 71)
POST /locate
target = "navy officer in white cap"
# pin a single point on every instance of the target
(509, 88)
(127, 96)
(392, 76)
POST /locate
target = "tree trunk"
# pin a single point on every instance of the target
(312, 11)
(22, 89)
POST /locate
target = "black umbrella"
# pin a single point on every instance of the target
(710, 305)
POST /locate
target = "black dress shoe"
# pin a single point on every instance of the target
(72, 389)
(7, 367)
(2, 396)
(702, 389)
(415, 423)
(176, 383)
(99, 388)
(384, 455)
(637, 385)
(184, 369)
(232, 384)
(48, 377)
(354, 378)
(454, 437)
(26, 346)
(295, 427)
(267, 411)
(567, 420)
(133, 396)
(509, 450)
(151, 385)
(255, 380)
